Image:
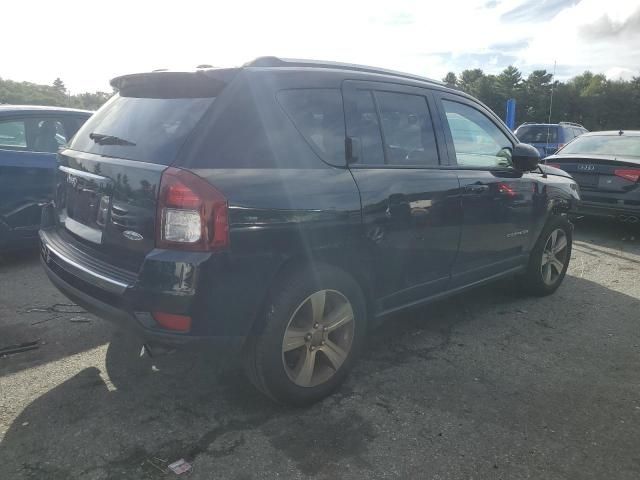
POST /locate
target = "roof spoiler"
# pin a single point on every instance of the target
(171, 84)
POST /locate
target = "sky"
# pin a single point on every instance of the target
(88, 43)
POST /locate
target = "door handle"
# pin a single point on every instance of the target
(475, 188)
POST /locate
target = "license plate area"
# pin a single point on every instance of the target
(86, 203)
(586, 179)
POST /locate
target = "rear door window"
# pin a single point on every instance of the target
(48, 135)
(13, 135)
(407, 129)
(33, 134)
(538, 134)
(569, 134)
(363, 127)
(319, 116)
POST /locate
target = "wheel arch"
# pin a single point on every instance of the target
(348, 260)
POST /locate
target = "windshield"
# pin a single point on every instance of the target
(146, 129)
(537, 134)
(615, 145)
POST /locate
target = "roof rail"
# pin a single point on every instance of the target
(293, 62)
(571, 123)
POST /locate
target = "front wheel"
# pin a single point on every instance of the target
(313, 328)
(549, 258)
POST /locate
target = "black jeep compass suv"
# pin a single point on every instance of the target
(287, 206)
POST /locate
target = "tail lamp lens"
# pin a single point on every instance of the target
(507, 190)
(631, 174)
(192, 214)
(171, 321)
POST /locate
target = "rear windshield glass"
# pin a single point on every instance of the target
(537, 134)
(617, 145)
(144, 129)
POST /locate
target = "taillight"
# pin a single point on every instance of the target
(555, 165)
(171, 321)
(631, 174)
(506, 189)
(192, 214)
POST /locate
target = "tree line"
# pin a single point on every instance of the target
(56, 94)
(589, 99)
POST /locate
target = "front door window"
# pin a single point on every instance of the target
(477, 140)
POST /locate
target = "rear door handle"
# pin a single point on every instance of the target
(475, 188)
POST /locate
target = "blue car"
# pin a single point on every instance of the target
(548, 138)
(30, 137)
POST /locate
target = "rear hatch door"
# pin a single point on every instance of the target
(108, 178)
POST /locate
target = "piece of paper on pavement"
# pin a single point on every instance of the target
(180, 466)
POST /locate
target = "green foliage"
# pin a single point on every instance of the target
(58, 84)
(450, 79)
(589, 99)
(26, 93)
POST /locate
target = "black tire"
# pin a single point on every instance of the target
(533, 281)
(264, 357)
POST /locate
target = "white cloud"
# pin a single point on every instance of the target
(86, 43)
(620, 73)
(563, 39)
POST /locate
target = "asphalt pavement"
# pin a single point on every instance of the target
(486, 385)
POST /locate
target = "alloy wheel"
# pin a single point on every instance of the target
(554, 256)
(318, 338)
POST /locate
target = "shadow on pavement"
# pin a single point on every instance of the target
(18, 257)
(604, 229)
(63, 336)
(531, 385)
(32, 311)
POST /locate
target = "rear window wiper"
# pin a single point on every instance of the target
(103, 139)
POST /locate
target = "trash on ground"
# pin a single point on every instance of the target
(19, 348)
(180, 466)
(80, 320)
(158, 464)
(53, 317)
(58, 308)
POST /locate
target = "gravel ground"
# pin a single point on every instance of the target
(484, 385)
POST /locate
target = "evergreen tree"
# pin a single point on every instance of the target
(450, 79)
(588, 98)
(58, 85)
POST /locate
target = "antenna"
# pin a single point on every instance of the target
(553, 82)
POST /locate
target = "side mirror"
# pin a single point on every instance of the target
(525, 157)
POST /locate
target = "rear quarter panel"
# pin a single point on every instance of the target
(287, 206)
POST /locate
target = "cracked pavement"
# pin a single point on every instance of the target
(484, 385)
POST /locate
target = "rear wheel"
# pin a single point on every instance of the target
(314, 326)
(549, 259)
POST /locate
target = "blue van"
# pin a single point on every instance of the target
(30, 137)
(548, 138)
